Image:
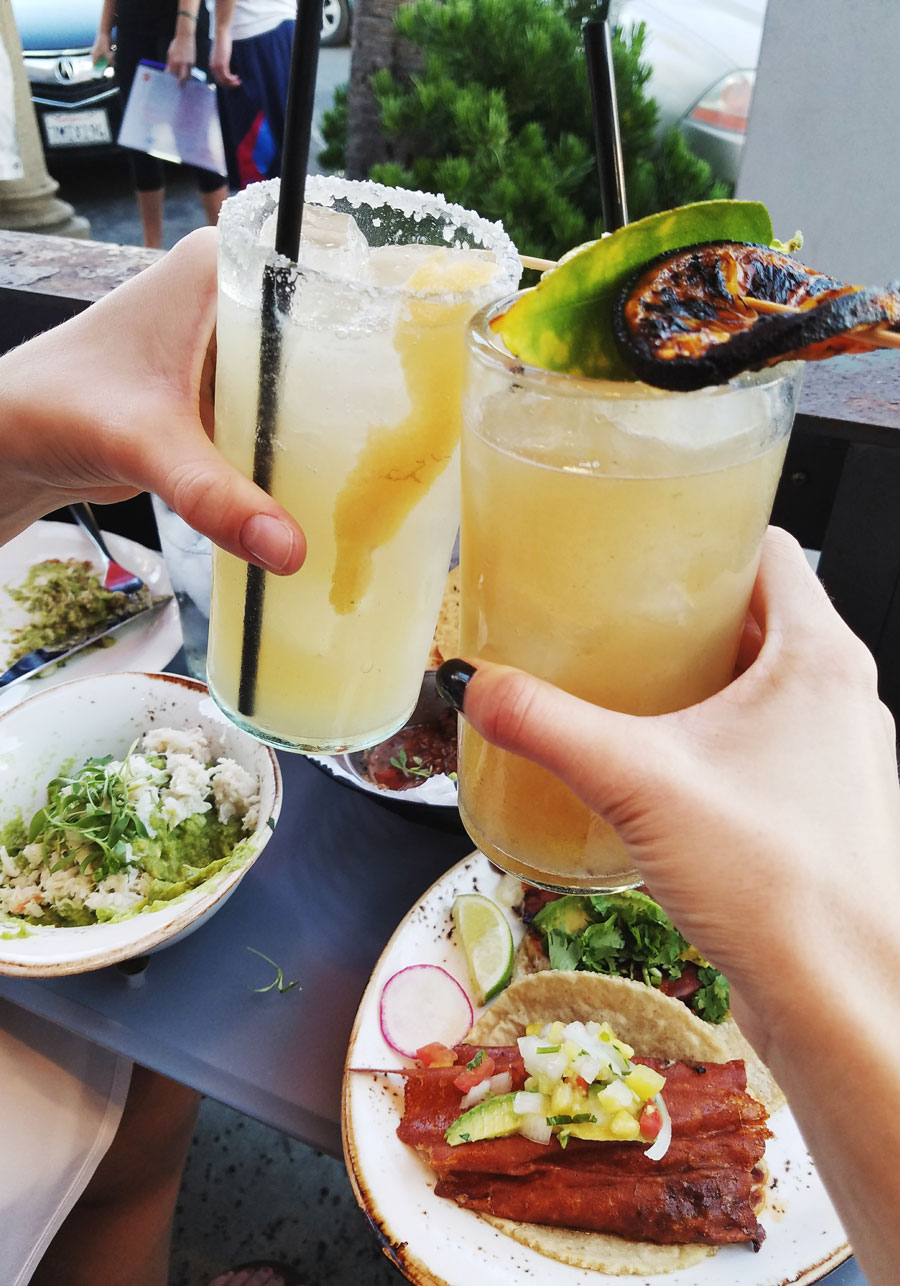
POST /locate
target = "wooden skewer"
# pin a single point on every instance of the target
(540, 265)
(878, 337)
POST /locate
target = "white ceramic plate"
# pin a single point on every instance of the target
(104, 714)
(436, 1243)
(147, 643)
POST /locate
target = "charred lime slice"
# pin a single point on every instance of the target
(696, 316)
(566, 323)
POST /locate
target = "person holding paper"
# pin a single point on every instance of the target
(176, 33)
(251, 62)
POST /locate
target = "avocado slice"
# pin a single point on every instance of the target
(571, 913)
(490, 1119)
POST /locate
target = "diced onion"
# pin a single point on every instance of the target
(577, 1033)
(535, 1127)
(660, 1145)
(587, 1066)
(475, 1095)
(526, 1104)
(586, 1037)
(551, 1066)
(618, 1092)
(501, 1082)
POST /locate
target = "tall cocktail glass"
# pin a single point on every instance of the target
(369, 374)
(610, 538)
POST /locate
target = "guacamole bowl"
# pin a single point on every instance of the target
(52, 734)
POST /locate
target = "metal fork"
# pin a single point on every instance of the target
(116, 578)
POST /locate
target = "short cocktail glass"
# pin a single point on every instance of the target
(610, 538)
(367, 395)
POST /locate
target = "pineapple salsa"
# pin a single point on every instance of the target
(581, 1084)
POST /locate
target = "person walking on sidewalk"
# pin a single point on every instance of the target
(174, 32)
(251, 60)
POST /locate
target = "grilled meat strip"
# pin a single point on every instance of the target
(706, 1188)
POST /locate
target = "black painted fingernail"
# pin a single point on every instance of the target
(451, 680)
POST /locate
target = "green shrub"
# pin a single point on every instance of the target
(499, 120)
(334, 131)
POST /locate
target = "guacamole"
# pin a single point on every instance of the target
(65, 600)
(118, 837)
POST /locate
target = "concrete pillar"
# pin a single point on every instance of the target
(822, 141)
(30, 203)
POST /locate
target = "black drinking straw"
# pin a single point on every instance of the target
(605, 114)
(277, 289)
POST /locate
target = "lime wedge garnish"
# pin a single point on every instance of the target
(566, 323)
(487, 942)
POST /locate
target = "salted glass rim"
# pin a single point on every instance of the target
(487, 346)
(243, 213)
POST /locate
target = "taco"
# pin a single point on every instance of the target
(629, 935)
(590, 1191)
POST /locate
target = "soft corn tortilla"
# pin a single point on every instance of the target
(445, 643)
(599, 1251)
(657, 1026)
(673, 1014)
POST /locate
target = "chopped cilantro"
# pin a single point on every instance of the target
(627, 935)
(564, 949)
(476, 1061)
(712, 1000)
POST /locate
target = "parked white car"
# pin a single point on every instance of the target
(704, 55)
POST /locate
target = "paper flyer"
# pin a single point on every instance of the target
(175, 122)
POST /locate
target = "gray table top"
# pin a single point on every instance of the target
(339, 873)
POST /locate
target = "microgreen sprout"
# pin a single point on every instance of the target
(278, 981)
(90, 815)
(414, 767)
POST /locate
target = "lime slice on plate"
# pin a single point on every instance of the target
(487, 941)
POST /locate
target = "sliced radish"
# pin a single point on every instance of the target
(420, 1004)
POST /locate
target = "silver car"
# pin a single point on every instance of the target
(704, 55)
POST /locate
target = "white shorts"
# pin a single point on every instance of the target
(62, 1100)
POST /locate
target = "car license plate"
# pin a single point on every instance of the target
(76, 129)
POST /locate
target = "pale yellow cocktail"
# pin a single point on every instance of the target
(610, 539)
(365, 454)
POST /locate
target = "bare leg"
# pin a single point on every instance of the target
(212, 203)
(150, 205)
(120, 1231)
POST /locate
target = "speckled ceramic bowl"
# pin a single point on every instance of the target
(99, 715)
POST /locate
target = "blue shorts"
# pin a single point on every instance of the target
(253, 115)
